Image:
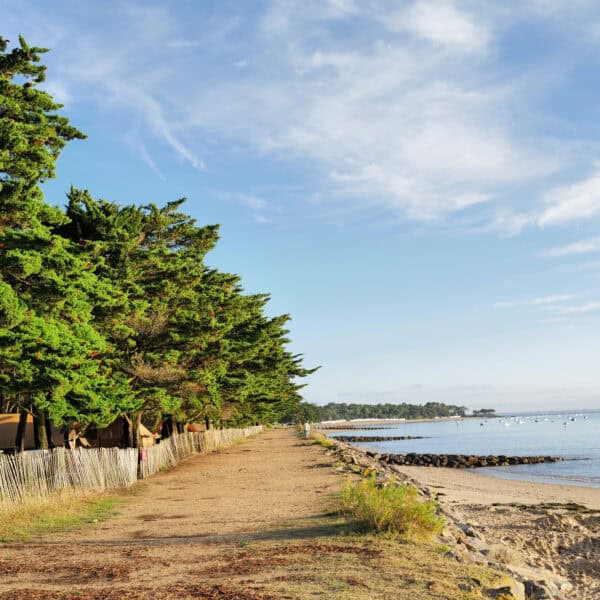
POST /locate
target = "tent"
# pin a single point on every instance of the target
(8, 431)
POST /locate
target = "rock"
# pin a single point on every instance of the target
(538, 590)
(514, 590)
(468, 530)
(460, 461)
(502, 593)
(477, 545)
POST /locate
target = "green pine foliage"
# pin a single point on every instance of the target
(109, 310)
(50, 350)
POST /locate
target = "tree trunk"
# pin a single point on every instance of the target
(48, 431)
(137, 437)
(40, 434)
(167, 427)
(128, 433)
(20, 437)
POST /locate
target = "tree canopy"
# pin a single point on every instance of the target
(111, 311)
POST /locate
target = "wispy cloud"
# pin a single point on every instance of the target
(406, 107)
(442, 23)
(580, 200)
(577, 309)
(580, 247)
(540, 301)
(561, 205)
(384, 120)
(119, 72)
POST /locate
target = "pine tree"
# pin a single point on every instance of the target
(109, 311)
(50, 354)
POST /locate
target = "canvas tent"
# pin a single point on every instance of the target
(8, 431)
(115, 435)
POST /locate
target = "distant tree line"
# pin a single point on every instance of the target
(335, 411)
(485, 412)
(110, 311)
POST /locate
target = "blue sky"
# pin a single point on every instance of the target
(417, 183)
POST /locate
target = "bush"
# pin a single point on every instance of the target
(391, 509)
(321, 440)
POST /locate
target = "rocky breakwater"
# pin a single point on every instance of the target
(459, 461)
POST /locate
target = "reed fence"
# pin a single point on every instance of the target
(42, 473)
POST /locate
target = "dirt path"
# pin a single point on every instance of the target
(179, 523)
(254, 522)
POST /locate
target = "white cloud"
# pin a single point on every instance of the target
(573, 202)
(118, 71)
(540, 301)
(580, 247)
(388, 123)
(409, 109)
(577, 309)
(442, 23)
(561, 205)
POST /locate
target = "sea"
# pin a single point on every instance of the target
(574, 436)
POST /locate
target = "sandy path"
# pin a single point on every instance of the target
(180, 523)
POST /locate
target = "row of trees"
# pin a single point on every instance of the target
(334, 411)
(109, 310)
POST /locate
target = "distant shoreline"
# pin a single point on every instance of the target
(383, 422)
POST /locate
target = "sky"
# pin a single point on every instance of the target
(416, 182)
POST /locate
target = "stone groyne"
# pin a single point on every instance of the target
(458, 461)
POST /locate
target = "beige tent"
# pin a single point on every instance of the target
(8, 431)
(114, 435)
(147, 437)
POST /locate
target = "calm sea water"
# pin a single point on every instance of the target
(573, 436)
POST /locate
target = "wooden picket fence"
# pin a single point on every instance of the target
(42, 473)
(169, 452)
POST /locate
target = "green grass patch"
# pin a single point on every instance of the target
(321, 440)
(391, 509)
(64, 511)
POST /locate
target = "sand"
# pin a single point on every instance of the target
(553, 527)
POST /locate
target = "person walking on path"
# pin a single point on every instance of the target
(306, 430)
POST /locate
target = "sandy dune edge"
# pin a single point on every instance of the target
(547, 526)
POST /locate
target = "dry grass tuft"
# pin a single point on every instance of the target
(391, 509)
(321, 440)
(504, 554)
(63, 510)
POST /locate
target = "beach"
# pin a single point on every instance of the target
(538, 525)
